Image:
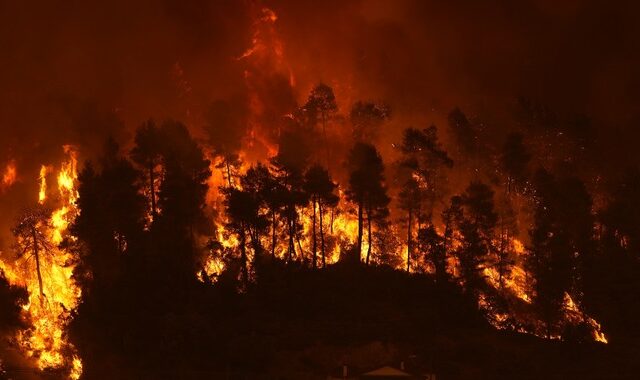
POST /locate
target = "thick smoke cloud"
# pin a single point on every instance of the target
(77, 72)
(425, 57)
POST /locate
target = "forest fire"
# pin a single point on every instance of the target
(45, 269)
(279, 189)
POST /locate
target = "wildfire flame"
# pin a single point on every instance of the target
(42, 193)
(266, 56)
(49, 315)
(10, 175)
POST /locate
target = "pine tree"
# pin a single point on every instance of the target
(320, 190)
(366, 188)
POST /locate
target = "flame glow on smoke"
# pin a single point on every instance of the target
(266, 56)
(10, 175)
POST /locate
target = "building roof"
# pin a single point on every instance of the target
(386, 371)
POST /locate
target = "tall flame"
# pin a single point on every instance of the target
(49, 315)
(42, 193)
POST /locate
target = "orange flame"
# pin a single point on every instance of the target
(42, 193)
(45, 340)
(10, 175)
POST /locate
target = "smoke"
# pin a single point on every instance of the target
(78, 72)
(425, 57)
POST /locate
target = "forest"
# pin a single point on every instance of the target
(285, 258)
(296, 231)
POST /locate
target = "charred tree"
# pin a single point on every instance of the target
(30, 232)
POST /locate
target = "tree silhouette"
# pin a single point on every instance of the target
(431, 243)
(366, 188)
(477, 232)
(507, 231)
(243, 213)
(570, 264)
(614, 273)
(181, 199)
(465, 133)
(226, 126)
(255, 182)
(377, 213)
(410, 200)
(320, 189)
(289, 165)
(319, 108)
(366, 118)
(264, 186)
(147, 153)
(30, 232)
(424, 158)
(577, 221)
(550, 258)
(514, 161)
(183, 189)
(12, 299)
(452, 218)
(111, 220)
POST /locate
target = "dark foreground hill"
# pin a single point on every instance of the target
(295, 323)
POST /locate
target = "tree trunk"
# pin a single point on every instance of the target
(273, 233)
(368, 234)
(332, 217)
(445, 240)
(243, 254)
(359, 243)
(37, 256)
(501, 259)
(226, 162)
(300, 247)
(314, 246)
(445, 247)
(326, 141)
(409, 242)
(152, 180)
(324, 261)
(255, 242)
(292, 248)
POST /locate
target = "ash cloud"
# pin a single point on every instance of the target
(77, 72)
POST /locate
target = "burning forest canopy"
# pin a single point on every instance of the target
(278, 189)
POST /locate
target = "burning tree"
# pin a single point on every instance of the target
(32, 240)
(289, 165)
(226, 125)
(147, 154)
(366, 189)
(319, 108)
(245, 219)
(515, 159)
(424, 158)
(366, 119)
(465, 132)
(477, 231)
(410, 199)
(111, 222)
(561, 245)
(320, 189)
(431, 244)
